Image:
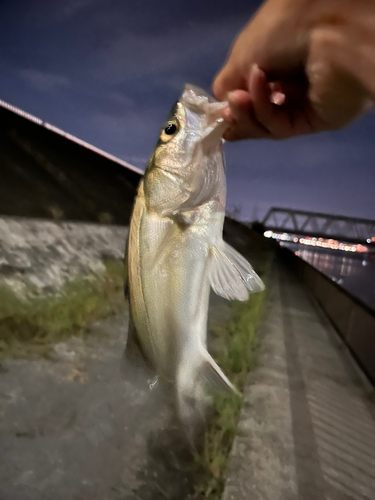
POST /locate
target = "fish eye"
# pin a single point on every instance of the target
(169, 131)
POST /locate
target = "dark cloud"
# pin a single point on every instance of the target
(108, 71)
(43, 81)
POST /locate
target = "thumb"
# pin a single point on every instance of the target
(229, 78)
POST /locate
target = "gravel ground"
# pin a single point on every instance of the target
(71, 426)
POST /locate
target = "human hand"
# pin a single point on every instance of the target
(299, 67)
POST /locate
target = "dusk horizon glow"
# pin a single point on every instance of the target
(108, 72)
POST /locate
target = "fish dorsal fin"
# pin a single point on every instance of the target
(231, 276)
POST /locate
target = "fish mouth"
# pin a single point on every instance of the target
(206, 110)
(195, 95)
(199, 101)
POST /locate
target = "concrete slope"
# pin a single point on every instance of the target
(307, 429)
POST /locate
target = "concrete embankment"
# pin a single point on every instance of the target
(44, 255)
(307, 428)
(72, 427)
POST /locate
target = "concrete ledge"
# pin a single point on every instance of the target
(307, 429)
(353, 319)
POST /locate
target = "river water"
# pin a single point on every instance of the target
(354, 272)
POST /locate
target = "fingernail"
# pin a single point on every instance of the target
(278, 98)
(255, 69)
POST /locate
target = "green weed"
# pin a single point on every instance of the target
(30, 326)
(236, 356)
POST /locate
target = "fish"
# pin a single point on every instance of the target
(176, 254)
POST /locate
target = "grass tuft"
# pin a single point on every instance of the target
(236, 356)
(29, 326)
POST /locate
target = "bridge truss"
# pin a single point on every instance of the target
(286, 220)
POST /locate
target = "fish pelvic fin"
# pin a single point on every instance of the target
(231, 275)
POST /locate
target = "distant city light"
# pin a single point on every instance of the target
(314, 242)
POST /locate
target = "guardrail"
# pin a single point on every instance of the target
(354, 320)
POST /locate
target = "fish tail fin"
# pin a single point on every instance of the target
(215, 377)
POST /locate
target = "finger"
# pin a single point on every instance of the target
(229, 78)
(239, 102)
(240, 114)
(261, 94)
(271, 108)
(246, 129)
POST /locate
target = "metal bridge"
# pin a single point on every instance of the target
(299, 222)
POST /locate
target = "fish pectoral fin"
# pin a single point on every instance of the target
(215, 377)
(134, 360)
(231, 276)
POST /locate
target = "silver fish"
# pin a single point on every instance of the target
(176, 252)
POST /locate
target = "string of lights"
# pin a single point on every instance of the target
(319, 242)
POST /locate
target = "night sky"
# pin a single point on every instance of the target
(108, 71)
